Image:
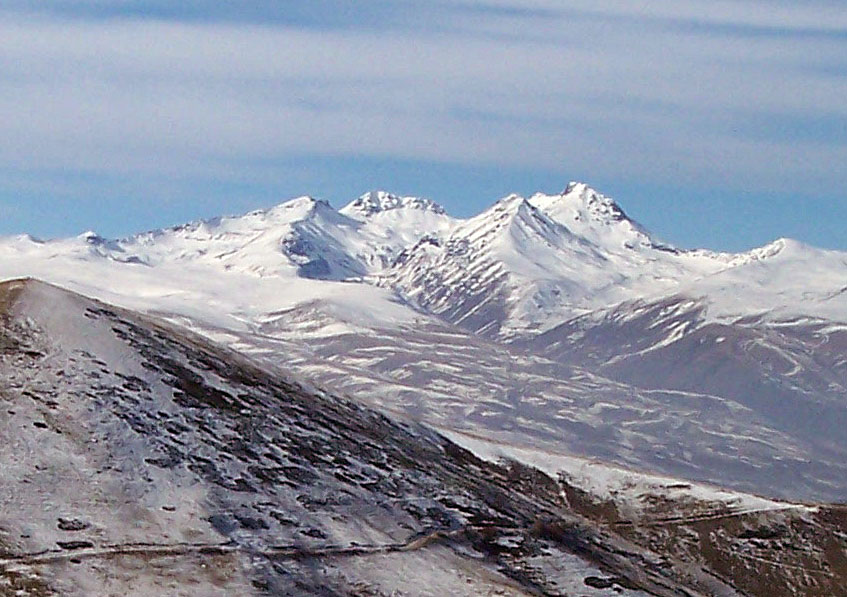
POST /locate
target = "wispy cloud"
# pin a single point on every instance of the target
(684, 90)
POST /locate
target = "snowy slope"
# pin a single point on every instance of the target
(555, 319)
(785, 280)
(140, 460)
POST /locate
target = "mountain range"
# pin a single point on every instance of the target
(554, 321)
(386, 400)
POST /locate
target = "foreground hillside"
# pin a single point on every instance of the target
(138, 459)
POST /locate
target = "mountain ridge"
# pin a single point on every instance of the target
(577, 204)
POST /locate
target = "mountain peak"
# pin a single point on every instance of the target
(374, 202)
(592, 215)
(509, 201)
(303, 203)
(781, 246)
(504, 211)
(91, 237)
(576, 186)
(593, 201)
(515, 218)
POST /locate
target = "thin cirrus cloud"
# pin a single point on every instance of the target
(750, 93)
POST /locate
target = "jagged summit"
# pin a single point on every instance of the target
(90, 236)
(594, 216)
(375, 202)
(595, 202)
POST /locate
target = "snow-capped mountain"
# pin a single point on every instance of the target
(554, 320)
(303, 237)
(525, 265)
(489, 266)
(381, 203)
(389, 224)
(521, 266)
(593, 217)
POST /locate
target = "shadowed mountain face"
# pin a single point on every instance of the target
(788, 377)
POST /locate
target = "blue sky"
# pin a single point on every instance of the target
(718, 123)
